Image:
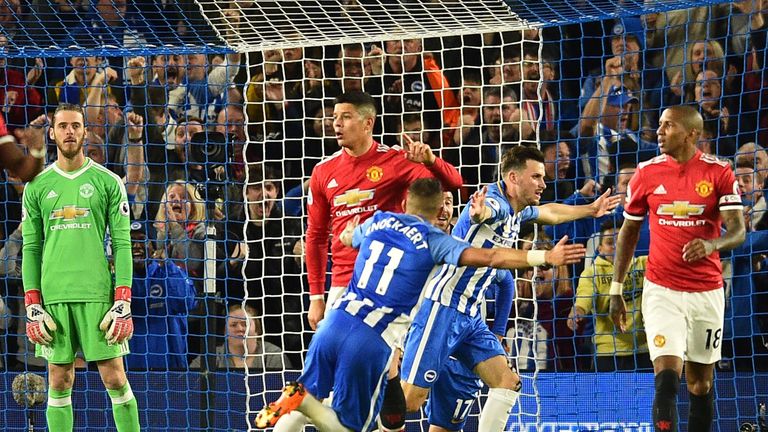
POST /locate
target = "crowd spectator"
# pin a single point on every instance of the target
(414, 82)
(536, 101)
(180, 223)
(615, 349)
(20, 99)
(245, 346)
(557, 165)
(752, 172)
(163, 297)
(543, 339)
(272, 273)
(745, 315)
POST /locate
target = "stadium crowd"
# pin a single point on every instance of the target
(588, 95)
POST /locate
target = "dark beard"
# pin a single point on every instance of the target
(70, 154)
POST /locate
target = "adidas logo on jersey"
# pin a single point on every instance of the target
(52, 194)
(660, 190)
(332, 183)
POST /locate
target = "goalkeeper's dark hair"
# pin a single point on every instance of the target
(426, 195)
(362, 101)
(517, 158)
(67, 107)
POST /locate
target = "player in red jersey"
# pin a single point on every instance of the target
(364, 176)
(688, 196)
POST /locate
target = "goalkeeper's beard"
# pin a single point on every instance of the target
(70, 153)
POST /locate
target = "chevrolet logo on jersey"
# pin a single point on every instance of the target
(681, 209)
(69, 213)
(353, 197)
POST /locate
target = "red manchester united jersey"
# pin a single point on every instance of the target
(344, 186)
(684, 201)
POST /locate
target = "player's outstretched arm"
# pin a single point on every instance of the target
(561, 254)
(734, 236)
(625, 250)
(554, 214)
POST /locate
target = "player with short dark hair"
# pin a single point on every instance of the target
(354, 346)
(361, 178)
(689, 195)
(73, 301)
(449, 322)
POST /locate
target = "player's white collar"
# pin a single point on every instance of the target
(74, 174)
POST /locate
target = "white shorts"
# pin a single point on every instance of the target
(688, 325)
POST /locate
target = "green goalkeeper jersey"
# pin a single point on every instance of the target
(65, 216)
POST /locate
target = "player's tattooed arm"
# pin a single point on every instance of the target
(735, 234)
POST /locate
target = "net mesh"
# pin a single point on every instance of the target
(236, 100)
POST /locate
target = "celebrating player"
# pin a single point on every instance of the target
(68, 286)
(448, 322)
(355, 345)
(455, 391)
(687, 194)
(363, 177)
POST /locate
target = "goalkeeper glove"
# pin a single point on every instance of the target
(117, 323)
(38, 319)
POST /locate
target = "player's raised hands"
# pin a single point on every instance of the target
(477, 208)
(417, 151)
(346, 235)
(605, 203)
(564, 253)
(697, 249)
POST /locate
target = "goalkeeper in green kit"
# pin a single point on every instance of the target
(73, 301)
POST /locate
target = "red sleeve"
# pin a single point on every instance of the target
(728, 191)
(637, 198)
(3, 130)
(318, 231)
(447, 174)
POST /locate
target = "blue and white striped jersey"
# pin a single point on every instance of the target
(463, 288)
(398, 253)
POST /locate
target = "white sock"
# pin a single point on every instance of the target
(495, 413)
(323, 417)
(294, 421)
